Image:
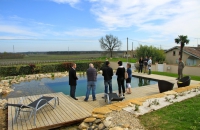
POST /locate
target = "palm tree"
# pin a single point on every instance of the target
(182, 40)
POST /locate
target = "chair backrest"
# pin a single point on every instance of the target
(185, 78)
(164, 85)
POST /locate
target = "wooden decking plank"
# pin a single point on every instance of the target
(28, 123)
(63, 111)
(67, 105)
(74, 107)
(75, 104)
(18, 122)
(57, 109)
(48, 110)
(24, 115)
(42, 111)
(39, 116)
(10, 121)
(38, 122)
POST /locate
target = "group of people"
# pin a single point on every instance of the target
(146, 63)
(107, 73)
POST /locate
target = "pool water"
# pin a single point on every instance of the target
(47, 85)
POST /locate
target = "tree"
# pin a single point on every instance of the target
(182, 40)
(110, 43)
(158, 55)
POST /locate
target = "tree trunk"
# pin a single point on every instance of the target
(181, 52)
(111, 53)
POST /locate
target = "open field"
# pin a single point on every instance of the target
(47, 58)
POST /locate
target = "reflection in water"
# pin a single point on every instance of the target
(143, 82)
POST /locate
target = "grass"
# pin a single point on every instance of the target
(178, 116)
(175, 75)
(131, 60)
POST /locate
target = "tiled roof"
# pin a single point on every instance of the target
(195, 51)
(192, 50)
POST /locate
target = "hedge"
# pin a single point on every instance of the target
(45, 68)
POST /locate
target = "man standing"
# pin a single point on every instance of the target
(91, 82)
(140, 64)
(180, 69)
(149, 65)
(72, 81)
(107, 73)
(145, 64)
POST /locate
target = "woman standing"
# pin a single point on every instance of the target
(140, 65)
(128, 80)
(120, 78)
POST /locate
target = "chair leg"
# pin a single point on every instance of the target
(17, 111)
(35, 111)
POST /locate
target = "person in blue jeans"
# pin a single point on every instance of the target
(107, 73)
(91, 82)
(128, 80)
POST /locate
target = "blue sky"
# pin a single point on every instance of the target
(77, 25)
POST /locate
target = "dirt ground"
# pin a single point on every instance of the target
(3, 119)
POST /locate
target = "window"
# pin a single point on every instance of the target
(174, 53)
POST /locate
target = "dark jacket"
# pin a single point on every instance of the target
(91, 74)
(145, 61)
(141, 62)
(107, 73)
(120, 72)
(72, 77)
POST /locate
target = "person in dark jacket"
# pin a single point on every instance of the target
(120, 78)
(107, 72)
(145, 64)
(91, 82)
(72, 81)
(140, 65)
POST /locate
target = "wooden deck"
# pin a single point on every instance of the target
(70, 111)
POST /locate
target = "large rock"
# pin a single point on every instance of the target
(107, 123)
(89, 120)
(3, 103)
(101, 126)
(83, 125)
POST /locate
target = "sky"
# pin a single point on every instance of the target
(77, 25)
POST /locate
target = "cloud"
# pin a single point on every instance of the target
(86, 32)
(70, 2)
(163, 18)
(16, 30)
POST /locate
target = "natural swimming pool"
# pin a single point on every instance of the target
(48, 85)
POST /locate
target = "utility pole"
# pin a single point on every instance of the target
(127, 50)
(132, 50)
(197, 41)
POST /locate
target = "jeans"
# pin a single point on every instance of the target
(72, 91)
(91, 85)
(108, 83)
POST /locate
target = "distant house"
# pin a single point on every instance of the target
(191, 55)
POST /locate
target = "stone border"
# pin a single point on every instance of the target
(101, 120)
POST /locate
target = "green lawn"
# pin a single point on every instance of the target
(178, 116)
(184, 115)
(175, 75)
